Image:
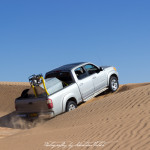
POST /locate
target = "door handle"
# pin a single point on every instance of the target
(80, 84)
(94, 78)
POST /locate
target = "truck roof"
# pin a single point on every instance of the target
(67, 67)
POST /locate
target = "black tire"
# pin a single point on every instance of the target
(24, 94)
(113, 84)
(71, 105)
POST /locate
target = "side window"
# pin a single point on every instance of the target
(91, 69)
(80, 73)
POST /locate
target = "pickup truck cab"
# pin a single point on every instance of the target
(83, 81)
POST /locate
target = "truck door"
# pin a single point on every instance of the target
(98, 77)
(84, 82)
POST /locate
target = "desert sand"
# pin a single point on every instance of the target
(110, 121)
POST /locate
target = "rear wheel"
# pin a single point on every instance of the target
(113, 84)
(71, 105)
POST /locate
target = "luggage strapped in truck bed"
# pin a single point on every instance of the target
(36, 80)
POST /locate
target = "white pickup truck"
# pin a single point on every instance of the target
(84, 81)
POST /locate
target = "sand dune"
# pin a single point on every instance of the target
(8, 92)
(15, 83)
(110, 121)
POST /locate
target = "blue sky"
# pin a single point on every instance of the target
(39, 35)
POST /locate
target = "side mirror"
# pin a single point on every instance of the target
(100, 69)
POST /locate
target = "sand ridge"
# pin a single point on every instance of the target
(115, 121)
(9, 91)
(15, 83)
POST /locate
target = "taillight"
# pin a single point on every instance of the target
(50, 104)
(16, 107)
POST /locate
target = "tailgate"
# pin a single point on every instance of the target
(28, 105)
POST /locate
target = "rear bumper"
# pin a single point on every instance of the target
(35, 115)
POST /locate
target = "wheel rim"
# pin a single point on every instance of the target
(114, 84)
(71, 107)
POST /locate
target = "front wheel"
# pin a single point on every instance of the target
(71, 105)
(113, 84)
